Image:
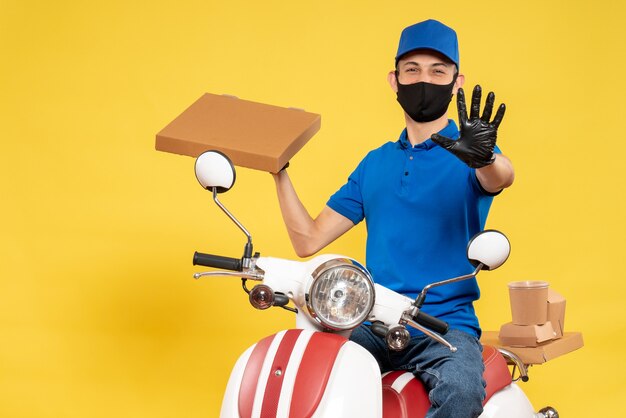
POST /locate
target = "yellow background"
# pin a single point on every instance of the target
(99, 314)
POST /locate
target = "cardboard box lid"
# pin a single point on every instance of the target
(555, 297)
(526, 335)
(253, 135)
(570, 341)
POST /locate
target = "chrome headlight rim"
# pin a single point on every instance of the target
(317, 274)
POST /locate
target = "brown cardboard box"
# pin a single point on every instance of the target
(253, 135)
(537, 355)
(526, 335)
(556, 312)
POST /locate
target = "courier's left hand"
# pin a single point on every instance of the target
(478, 136)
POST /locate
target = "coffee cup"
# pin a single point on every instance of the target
(529, 302)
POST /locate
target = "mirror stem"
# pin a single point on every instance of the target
(419, 301)
(248, 248)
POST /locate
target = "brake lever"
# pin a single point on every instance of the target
(431, 334)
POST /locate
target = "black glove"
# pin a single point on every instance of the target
(478, 135)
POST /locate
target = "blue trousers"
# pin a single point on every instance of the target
(454, 381)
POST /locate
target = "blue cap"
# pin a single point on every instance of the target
(430, 34)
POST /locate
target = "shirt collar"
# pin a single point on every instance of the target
(449, 131)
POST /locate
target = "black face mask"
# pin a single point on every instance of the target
(425, 102)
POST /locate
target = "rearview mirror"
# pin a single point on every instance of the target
(215, 170)
(490, 248)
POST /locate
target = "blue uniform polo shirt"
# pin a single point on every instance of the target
(421, 205)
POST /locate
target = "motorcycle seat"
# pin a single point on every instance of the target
(404, 395)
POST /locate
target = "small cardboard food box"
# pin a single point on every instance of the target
(556, 312)
(526, 335)
(251, 134)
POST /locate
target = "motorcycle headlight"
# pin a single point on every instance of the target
(341, 294)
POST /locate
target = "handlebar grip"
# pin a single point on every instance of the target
(217, 261)
(431, 322)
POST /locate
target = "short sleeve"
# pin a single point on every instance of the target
(348, 200)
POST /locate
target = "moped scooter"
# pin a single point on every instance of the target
(314, 370)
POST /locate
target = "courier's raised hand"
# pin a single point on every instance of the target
(478, 135)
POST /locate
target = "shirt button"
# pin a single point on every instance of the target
(411, 157)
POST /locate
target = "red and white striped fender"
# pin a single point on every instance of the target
(300, 373)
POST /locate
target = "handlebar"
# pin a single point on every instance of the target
(217, 261)
(431, 322)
